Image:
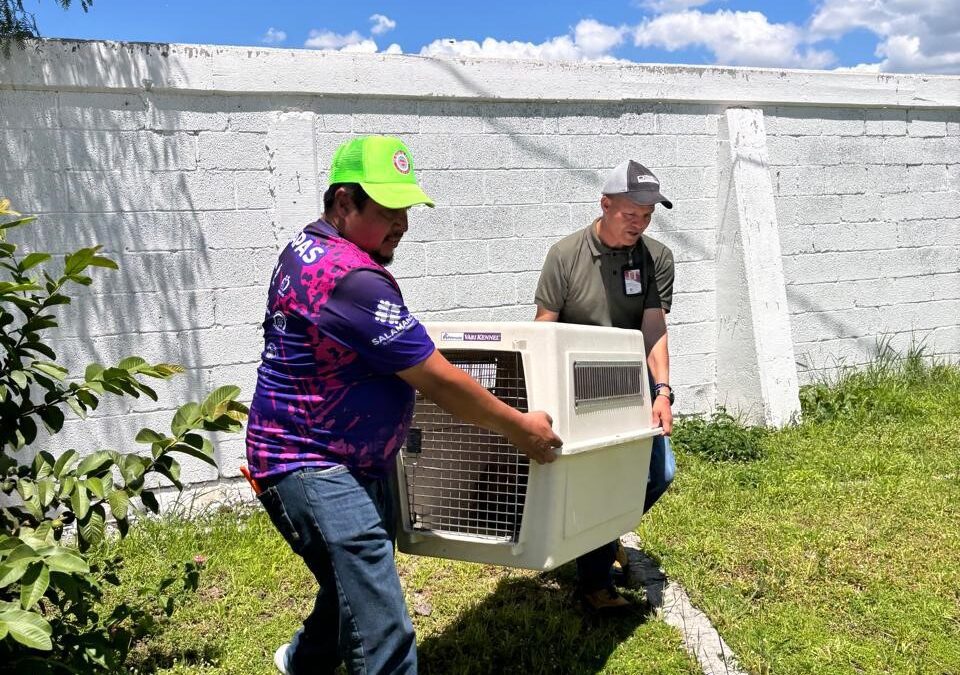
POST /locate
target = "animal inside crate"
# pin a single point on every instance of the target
(466, 493)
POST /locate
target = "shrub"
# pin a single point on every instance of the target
(879, 389)
(721, 438)
(49, 590)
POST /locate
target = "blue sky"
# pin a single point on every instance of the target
(870, 35)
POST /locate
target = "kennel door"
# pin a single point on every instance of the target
(462, 479)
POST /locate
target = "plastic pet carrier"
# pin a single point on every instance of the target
(466, 493)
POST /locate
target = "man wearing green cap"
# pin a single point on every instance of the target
(334, 399)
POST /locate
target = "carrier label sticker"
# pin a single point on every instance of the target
(471, 337)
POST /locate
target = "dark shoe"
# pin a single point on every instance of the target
(605, 601)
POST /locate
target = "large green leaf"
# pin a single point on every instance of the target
(19, 377)
(46, 491)
(9, 573)
(132, 363)
(52, 417)
(132, 467)
(80, 500)
(94, 463)
(77, 261)
(28, 628)
(187, 417)
(65, 560)
(52, 369)
(150, 501)
(34, 584)
(92, 527)
(95, 486)
(32, 260)
(101, 261)
(28, 430)
(205, 452)
(148, 436)
(214, 404)
(93, 372)
(17, 223)
(43, 464)
(63, 462)
(26, 488)
(169, 467)
(23, 552)
(119, 502)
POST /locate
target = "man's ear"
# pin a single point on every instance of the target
(605, 203)
(343, 201)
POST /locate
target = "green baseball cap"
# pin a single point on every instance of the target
(383, 166)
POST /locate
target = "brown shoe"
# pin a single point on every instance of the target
(604, 601)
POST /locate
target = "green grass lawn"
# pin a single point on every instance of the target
(838, 551)
(469, 618)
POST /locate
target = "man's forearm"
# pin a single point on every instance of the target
(460, 395)
(658, 360)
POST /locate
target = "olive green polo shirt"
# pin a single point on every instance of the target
(583, 280)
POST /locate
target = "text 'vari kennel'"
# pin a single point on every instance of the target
(467, 494)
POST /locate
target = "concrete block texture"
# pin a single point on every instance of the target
(193, 172)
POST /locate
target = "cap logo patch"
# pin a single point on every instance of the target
(400, 162)
(647, 179)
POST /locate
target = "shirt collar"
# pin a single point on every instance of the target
(323, 228)
(598, 248)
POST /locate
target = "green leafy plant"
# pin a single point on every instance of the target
(49, 590)
(879, 389)
(720, 438)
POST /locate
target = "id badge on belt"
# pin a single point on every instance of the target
(632, 281)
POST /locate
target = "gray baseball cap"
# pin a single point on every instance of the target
(637, 182)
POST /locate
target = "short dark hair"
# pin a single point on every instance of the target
(355, 190)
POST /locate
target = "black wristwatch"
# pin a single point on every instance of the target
(658, 391)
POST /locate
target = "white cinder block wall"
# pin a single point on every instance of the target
(193, 165)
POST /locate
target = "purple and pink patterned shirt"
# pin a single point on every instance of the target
(336, 331)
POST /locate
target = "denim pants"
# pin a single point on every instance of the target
(343, 527)
(593, 568)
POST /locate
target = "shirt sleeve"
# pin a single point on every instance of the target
(552, 288)
(665, 273)
(651, 296)
(366, 313)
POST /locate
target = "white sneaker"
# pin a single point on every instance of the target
(281, 659)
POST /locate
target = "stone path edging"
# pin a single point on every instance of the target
(700, 638)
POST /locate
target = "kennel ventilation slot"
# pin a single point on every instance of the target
(596, 381)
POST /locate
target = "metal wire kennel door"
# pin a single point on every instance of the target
(460, 478)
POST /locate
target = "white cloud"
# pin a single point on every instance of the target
(382, 24)
(596, 39)
(665, 6)
(859, 68)
(915, 35)
(273, 36)
(590, 41)
(735, 38)
(351, 42)
(354, 42)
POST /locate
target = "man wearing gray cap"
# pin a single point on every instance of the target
(607, 275)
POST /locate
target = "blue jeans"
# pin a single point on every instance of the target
(342, 526)
(594, 567)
